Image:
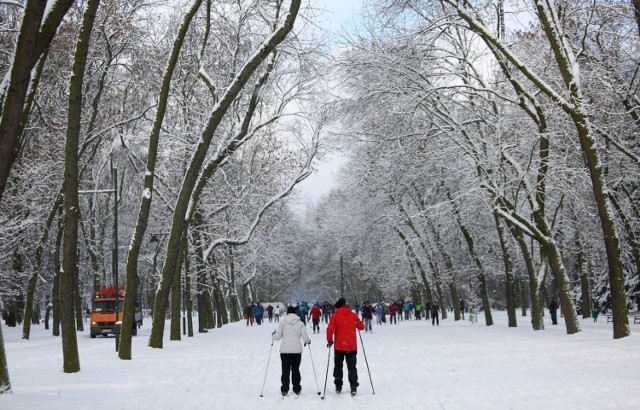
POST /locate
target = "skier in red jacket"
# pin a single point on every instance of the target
(314, 315)
(341, 333)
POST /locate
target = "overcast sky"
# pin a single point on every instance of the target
(339, 13)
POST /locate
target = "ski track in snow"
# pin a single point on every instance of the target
(414, 365)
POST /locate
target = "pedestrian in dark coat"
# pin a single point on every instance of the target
(270, 313)
(367, 316)
(291, 330)
(327, 310)
(435, 310)
(553, 308)
(342, 331)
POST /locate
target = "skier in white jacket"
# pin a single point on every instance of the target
(291, 330)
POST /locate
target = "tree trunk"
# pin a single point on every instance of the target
(484, 292)
(204, 306)
(187, 290)
(176, 296)
(5, 383)
(509, 282)
(34, 38)
(55, 297)
(77, 304)
(537, 309)
(632, 240)
(190, 179)
(69, 271)
(133, 278)
(414, 257)
(636, 13)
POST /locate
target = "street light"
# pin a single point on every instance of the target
(114, 250)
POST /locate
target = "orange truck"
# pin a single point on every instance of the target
(103, 312)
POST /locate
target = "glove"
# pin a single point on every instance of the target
(329, 345)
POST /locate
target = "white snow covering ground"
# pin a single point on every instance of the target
(414, 365)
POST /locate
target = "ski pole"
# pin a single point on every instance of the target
(327, 375)
(265, 372)
(366, 361)
(314, 370)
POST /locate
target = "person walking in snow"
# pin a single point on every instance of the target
(341, 333)
(379, 313)
(435, 311)
(327, 310)
(427, 310)
(367, 316)
(303, 310)
(258, 311)
(399, 310)
(418, 309)
(291, 330)
(594, 314)
(270, 312)
(462, 307)
(248, 313)
(276, 313)
(553, 308)
(406, 308)
(393, 309)
(314, 315)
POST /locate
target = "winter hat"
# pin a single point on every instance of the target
(341, 302)
(291, 309)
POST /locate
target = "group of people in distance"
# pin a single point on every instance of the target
(255, 312)
(398, 310)
(341, 335)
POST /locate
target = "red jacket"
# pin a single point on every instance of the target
(393, 308)
(343, 324)
(315, 313)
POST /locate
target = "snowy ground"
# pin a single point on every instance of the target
(414, 365)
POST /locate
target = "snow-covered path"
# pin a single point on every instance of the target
(414, 365)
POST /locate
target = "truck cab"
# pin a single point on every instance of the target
(106, 311)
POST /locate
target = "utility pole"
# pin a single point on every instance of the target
(341, 279)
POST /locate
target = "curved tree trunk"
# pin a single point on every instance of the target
(133, 278)
(190, 179)
(482, 280)
(69, 271)
(537, 309)
(34, 38)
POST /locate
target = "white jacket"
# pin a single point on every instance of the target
(291, 330)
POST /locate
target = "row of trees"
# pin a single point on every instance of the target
(491, 154)
(487, 159)
(184, 126)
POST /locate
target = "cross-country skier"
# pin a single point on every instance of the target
(291, 330)
(341, 333)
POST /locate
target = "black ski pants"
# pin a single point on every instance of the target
(290, 365)
(351, 359)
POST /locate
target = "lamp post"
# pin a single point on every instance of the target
(114, 249)
(341, 278)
